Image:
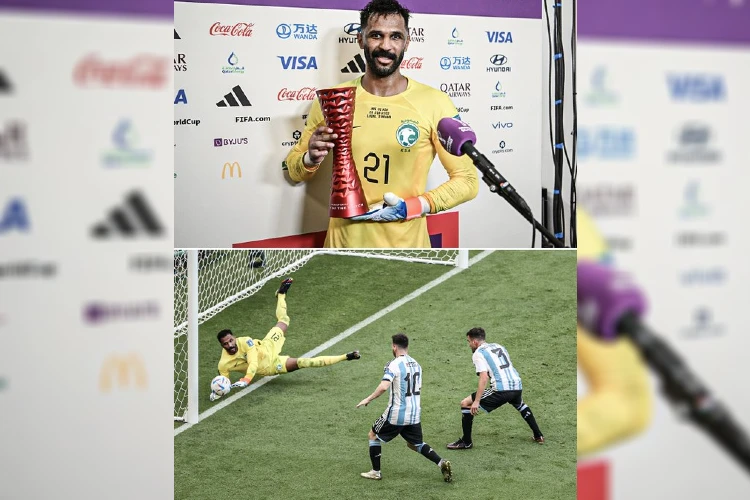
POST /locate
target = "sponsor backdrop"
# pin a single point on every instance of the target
(245, 78)
(662, 149)
(86, 210)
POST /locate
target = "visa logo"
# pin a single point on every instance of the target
(181, 97)
(502, 125)
(697, 88)
(499, 36)
(14, 217)
(298, 62)
(606, 142)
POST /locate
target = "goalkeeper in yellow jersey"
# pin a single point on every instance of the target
(263, 357)
(619, 401)
(394, 142)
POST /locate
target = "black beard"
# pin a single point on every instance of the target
(379, 71)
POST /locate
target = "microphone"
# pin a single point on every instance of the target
(458, 139)
(609, 305)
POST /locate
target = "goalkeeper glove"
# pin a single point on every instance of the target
(241, 383)
(395, 208)
(214, 396)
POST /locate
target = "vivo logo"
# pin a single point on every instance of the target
(502, 125)
(298, 62)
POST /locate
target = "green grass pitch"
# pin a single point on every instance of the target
(300, 436)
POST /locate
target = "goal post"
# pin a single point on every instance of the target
(208, 281)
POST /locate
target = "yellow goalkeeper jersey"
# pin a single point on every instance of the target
(251, 358)
(394, 142)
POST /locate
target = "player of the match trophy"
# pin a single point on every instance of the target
(347, 195)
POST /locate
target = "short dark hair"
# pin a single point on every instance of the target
(382, 8)
(476, 333)
(400, 340)
(223, 334)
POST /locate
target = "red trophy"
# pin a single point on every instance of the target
(347, 196)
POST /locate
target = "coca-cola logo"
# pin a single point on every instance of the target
(143, 70)
(239, 29)
(303, 94)
(412, 63)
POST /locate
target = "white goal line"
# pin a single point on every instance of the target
(338, 338)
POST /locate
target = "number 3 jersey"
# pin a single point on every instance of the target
(394, 142)
(405, 376)
(494, 358)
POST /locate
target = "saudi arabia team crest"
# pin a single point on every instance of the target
(407, 134)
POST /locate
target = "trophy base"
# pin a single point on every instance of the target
(346, 210)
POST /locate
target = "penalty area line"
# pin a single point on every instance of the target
(338, 338)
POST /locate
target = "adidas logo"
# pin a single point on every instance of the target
(131, 218)
(176, 36)
(229, 99)
(356, 65)
(5, 86)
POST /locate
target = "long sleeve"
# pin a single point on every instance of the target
(252, 363)
(462, 185)
(298, 172)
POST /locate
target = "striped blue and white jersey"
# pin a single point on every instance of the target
(494, 358)
(405, 376)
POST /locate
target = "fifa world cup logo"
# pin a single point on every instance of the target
(347, 195)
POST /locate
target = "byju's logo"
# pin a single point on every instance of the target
(606, 143)
(499, 64)
(125, 153)
(133, 218)
(455, 39)
(694, 141)
(15, 217)
(351, 30)
(503, 148)
(502, 125)
(234, 68)
(456, 63)
(13, 143)
(99, 312)
(356, 65)
(295, 136)
(237, 141)
(5, 86)
(298, 62)
(297, 31)
(180, 64)
(181, 97)
(696, 87)
(499, 36)
(234, 99)
(499, 91)
(456, 89)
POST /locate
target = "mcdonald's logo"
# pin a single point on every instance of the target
(231, 170)
(122, 370)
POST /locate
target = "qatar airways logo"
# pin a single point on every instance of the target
(239, 29)
(303, 94)
(412, 63)
(144, 71)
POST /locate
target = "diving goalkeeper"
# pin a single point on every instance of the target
(263, 357)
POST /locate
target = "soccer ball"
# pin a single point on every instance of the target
(221, 385)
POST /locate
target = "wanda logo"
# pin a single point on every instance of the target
(239, 29)
(143, 70)
(412, 63)
(303, 94)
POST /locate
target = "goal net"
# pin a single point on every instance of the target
(223, 277)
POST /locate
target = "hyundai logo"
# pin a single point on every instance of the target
(283, 31)
(352, 29)
(498, 59)
(445, 62)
